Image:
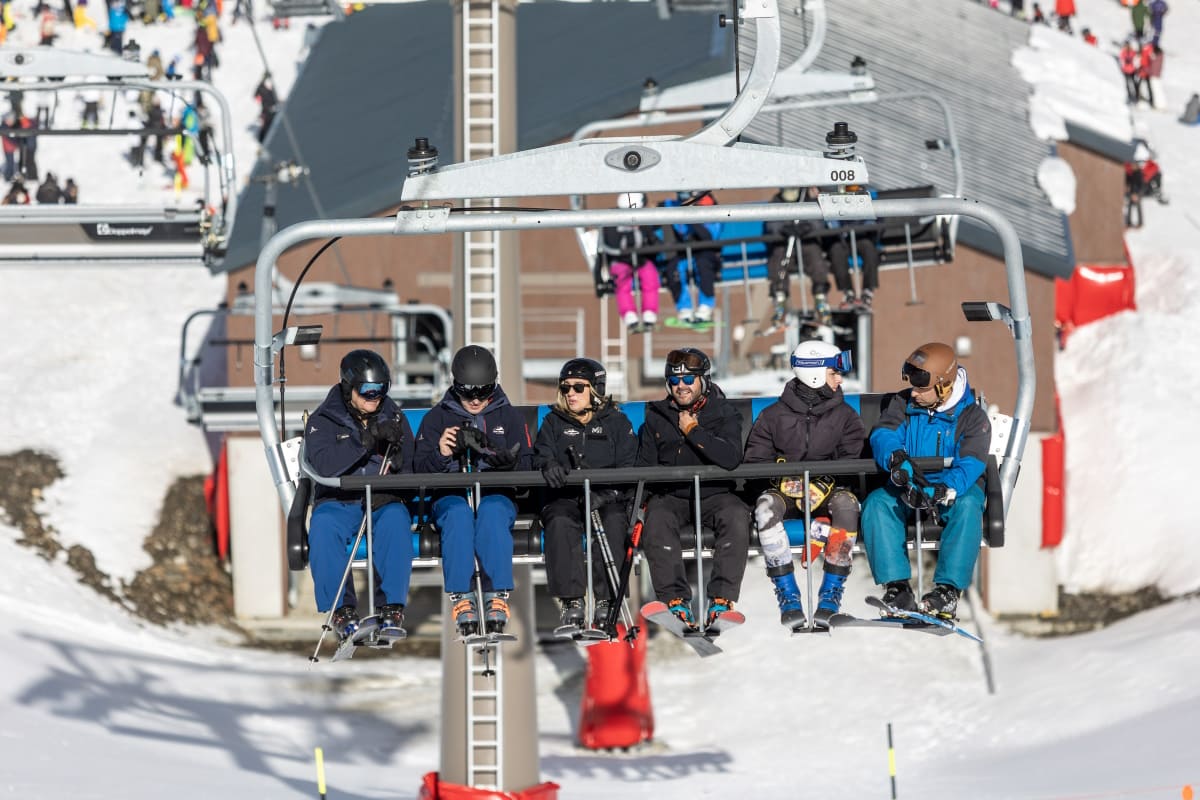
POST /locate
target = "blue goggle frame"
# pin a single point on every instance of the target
(372, 391)
(842, 362)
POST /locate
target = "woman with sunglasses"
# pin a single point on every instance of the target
(811, 422)
(474, 428)
(937, 416)
(584, 430)
(693, 426)
(349, 434)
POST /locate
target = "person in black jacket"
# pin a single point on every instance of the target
(349, 434)
(584, 430)
(694, 425)
(811, 422)
(475, 428)
(782, 258)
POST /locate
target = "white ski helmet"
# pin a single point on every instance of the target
(810, 360)
(631, 200)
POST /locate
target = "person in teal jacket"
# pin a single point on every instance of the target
(937, 416)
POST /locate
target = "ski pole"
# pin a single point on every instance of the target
(634, 541)
(610, 570)
(362, 526)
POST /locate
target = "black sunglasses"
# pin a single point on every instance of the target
(577, 388)
(479, 392)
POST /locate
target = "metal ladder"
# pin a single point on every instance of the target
(614, 352)
(481, 139)
(485, 712)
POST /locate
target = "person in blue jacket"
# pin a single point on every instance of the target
(350, 433)
(475, 428)
(937, 416)
(702, 267)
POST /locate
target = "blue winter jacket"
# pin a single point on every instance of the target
(963, 432)
(333, 445)
(503, 424)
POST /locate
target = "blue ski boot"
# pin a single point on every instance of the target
(830, 598)
(787, 594)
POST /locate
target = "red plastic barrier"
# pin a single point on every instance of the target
(216, 500)
(1053, 475)
(434, 789)
(1093, 293)
(616, 709)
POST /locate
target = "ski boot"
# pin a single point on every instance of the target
(824, 316)
(941, 602)
(600, 614)
(830, 598)
(649, 320)
(704, 315)
(867, 297)
(716, 607)
(345, 622)
(682, 609)
(849, 300)
(466, 616)
(391, 616)
(495, 611)
(632, 325)
(900, 595)
(787, 594)
(572, 611)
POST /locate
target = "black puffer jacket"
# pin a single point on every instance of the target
(806, 425)
(606, 441)
(716, 439)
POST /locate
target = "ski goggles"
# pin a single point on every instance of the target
(480, 391)
(686, 380)
(919, 378)
(372, 391)
(690, 360)
(577, 388)
(841, 363)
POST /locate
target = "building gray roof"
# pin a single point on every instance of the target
(962, 53)
(383, 76)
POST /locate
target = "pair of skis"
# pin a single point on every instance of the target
(700, 639)
(897, 618)
(369, 634)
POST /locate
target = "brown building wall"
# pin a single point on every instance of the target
(901, 326)
(1097, 225)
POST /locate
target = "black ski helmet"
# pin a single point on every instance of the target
(586, 369)
(364, 366)
(474, 366)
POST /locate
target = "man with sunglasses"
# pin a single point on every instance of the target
(475, 428)
(349, 434)
(811, 422)
(694, 425)
(937, 416)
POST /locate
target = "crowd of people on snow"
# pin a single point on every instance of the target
(359, 430)
(176, 132)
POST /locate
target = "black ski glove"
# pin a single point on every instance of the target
(386, 430)
(901, 468)
(470, 438)
(502, 459)
(555, 475)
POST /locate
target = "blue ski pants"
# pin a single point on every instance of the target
(332, 530)
(486, 533)
(885, 518)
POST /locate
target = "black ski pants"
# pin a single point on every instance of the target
(667, 516)
(839, 255)
(563, 531)
(779, 270)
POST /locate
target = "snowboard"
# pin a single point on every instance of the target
(695, 638)
(676, 322)
(926, 618)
